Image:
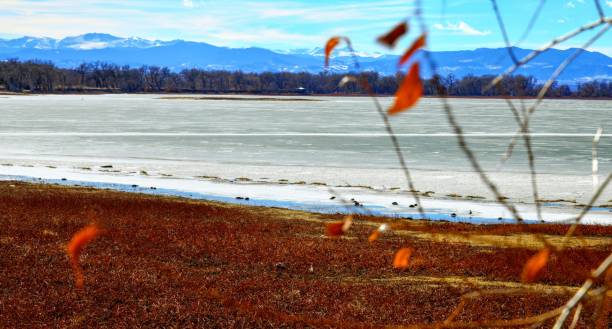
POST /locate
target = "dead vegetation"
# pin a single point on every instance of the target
(174, 263)
(166, 262)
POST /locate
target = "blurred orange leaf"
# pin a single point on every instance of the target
(374, 236)
(535, 265)
(334, 229)
(339, 228)
(408, 92)
(329, 47)
(346, 79)
(75, 247)
(348, 221)
(416, 45)
(392, 36)
(402, 258)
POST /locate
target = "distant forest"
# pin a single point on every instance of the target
(44, 77)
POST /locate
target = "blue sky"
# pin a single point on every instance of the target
(460, 24)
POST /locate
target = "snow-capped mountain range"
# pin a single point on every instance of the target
(83, 42)
(180, 54)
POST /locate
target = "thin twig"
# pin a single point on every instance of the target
(532, 170)
(524, 131)
(491, 323)
(502, 27)
(348, 205)
(554, 42)
(600, 315)
(595, 197)
(603, 267)
(392, 136)
(532, 21)
(563, 66)
(530, 158)
(599, 10)
(595, 166)
(353, 54)
(509, 149)
(576, 316)
(396, 148)
(553, 78)
(441, 90)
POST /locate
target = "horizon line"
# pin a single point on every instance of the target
(284, 134)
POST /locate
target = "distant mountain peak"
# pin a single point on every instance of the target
(103, 40)
(95, 36)
(320, 52)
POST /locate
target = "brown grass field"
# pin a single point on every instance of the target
(176, 263)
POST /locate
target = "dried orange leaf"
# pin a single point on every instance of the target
(334, 229)
(535, 265)
(348, 221)
(346, 79)
(374, 236)
(409, 91)
(339, 228)
(329, 47)
(376, 233)
(392, 36)
(402, 258)
(75, 247)
(416, 45)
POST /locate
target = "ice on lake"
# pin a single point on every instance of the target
(337, 141)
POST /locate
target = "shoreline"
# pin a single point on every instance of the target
(312, 197)
(167, 261)
(209, 96)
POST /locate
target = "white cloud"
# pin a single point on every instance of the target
(334, 12)
(570, 4)
(561, 21)
(461, 27)
(609, 3)
(188, 3)
(263, 35)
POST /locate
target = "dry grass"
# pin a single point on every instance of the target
(168, 262)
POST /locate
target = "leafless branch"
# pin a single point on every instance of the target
(441, 90)
(398, 151)
(599, 10)
(492, 323)
(391, 133)
(603, 267)
(502, 27)
(550, 81)
(532, 21)
(595, 165)
(594, 199)
(530, 157)
(576, 317)
(554, 42)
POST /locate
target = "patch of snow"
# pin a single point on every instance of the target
(89, 45)
(301, 197)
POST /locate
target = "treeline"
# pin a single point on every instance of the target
(44, 77)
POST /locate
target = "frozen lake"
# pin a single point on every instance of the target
(338, 141)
